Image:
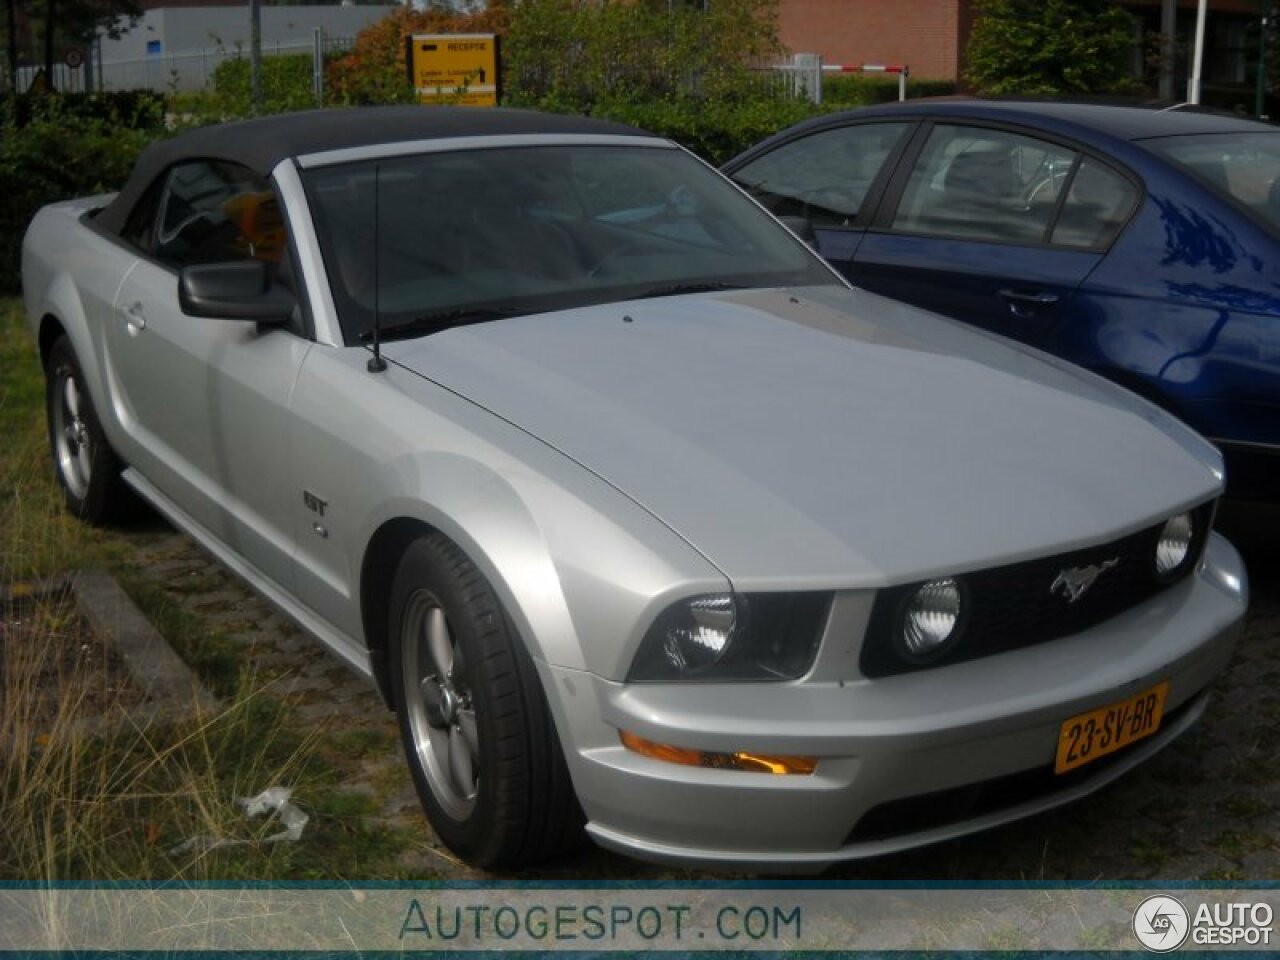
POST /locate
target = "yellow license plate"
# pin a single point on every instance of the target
(1095, 734)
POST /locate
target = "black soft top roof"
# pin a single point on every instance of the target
(262, 143)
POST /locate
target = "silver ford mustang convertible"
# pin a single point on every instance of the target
(638, 516)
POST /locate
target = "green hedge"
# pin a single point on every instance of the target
(131, 109)
(55, 155)
(286, 84)
(716, 130)
(860, 90)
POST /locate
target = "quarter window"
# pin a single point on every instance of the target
(824, 177)
(984, 184)
(1098, 204)
(139, 229)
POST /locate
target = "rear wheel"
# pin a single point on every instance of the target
(87, 469)
(473, 717)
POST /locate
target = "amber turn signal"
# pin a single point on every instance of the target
(757, 762)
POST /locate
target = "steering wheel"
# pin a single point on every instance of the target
(623, 249)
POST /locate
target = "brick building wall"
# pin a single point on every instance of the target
(931, 35)
(928, 35)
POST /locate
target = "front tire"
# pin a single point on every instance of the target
(87, 469)
(473, 717)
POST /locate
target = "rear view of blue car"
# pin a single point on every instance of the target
(1141, 244)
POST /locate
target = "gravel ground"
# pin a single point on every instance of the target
(1207, 808)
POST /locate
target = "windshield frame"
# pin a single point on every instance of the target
(354, 318)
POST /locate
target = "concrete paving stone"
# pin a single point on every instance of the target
(293, 643)
(357, 788)
(300, 684)
(321, 710)
(227, 620)
(168, 568)
(251, 637)
(398, 801)
(213, 601)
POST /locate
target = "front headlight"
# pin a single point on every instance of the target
(930, 620)
(1173, 549)
(733, 636)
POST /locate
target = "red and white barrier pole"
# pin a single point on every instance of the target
(901, 69)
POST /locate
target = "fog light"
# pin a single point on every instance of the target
(1174, 544)
(931, 619)
(742, 760)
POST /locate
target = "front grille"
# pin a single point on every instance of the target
(927, 811)
(1015, 606)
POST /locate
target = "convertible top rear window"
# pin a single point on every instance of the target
(480, 234)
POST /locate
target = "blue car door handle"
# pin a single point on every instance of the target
(1026, 303)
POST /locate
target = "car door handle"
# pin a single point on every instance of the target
(134, 318)
(1027, 303)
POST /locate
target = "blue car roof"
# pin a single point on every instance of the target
(1081, 121)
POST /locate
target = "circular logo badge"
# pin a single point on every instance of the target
(1161, 923)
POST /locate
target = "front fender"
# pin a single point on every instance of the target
(580, 569)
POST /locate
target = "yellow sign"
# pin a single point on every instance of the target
(458, 68)
(40, 83)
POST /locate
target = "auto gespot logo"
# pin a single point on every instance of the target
(1162, 924)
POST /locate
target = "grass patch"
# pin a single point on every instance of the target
(115, 804)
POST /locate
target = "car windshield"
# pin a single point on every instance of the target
(1245, 167)
(473, 235)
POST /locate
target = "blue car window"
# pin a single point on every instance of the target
(823, 177)
(1244, 167)
(1098, 204)
(983, 184)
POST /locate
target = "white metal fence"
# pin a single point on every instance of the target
(800, 77)
(171, 72)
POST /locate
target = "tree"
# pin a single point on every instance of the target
(1050, 47)
(66, 23)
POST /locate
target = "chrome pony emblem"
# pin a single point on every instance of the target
(1073, 582)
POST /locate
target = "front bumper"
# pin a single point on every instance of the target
(989, 721)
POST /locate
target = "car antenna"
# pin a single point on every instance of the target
(376, 363)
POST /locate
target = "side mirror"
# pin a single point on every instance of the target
(802, 228)
(238, 290)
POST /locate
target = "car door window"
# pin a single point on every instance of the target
(983, 184)
(1099, 202)
(139, 229)
(213, 212)
(824, 177)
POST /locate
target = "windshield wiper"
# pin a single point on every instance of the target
(441, 320)
(676, 289)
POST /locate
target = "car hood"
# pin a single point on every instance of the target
(828, 437)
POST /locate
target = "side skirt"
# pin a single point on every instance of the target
(342, 646)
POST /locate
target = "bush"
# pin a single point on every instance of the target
(862, 90)
(582, 53)
(56, 155)
(286, 84)
(374, 71)
(134, 109)
(1050, 47)
(716, 130)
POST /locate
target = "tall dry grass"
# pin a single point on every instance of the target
(90, 792)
